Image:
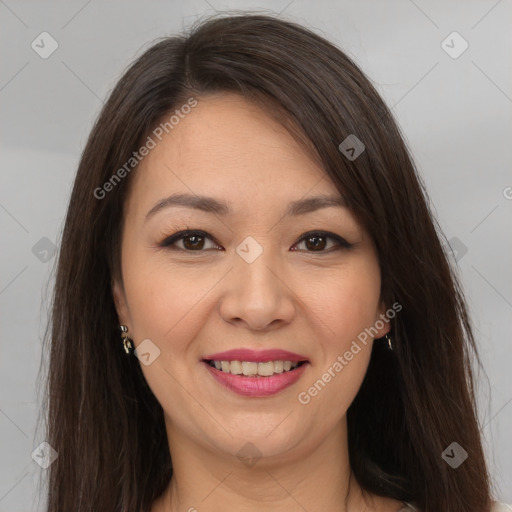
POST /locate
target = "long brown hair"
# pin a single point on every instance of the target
(103, 420)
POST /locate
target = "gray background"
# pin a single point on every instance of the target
(455, 113)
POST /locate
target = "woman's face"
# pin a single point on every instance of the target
(248, 280)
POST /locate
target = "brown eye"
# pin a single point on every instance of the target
(317, 242)
(192, 241)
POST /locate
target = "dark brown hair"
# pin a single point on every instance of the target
(104, 421)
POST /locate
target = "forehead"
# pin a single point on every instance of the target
(229, 148)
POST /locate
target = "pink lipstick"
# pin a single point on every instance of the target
(256, 373)
(258, 356)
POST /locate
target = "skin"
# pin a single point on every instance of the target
(207, 300)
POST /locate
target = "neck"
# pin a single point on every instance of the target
(315, 477)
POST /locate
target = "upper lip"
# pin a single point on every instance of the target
(256, 356)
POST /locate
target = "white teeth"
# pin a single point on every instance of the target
(278, 366)
(266, 369)
(249, 368)
(236, 367)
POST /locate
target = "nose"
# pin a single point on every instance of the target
(257, 295)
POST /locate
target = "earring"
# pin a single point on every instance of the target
(127, 342)
(389, 342)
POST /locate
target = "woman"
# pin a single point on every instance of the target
(252, 286)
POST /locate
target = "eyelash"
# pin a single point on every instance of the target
(168, 242)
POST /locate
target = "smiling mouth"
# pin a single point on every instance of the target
(253, 369)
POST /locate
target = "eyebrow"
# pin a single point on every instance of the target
(214, 206)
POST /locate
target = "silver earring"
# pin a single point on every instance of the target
(127, 342)
(389, 342)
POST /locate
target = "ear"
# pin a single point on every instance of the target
(382, 318)
(120, 302)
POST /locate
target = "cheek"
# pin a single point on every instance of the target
(166, 304)
(346, 351)
(347, 302)
(347, 306)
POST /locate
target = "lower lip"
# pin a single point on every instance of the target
(257, 386)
